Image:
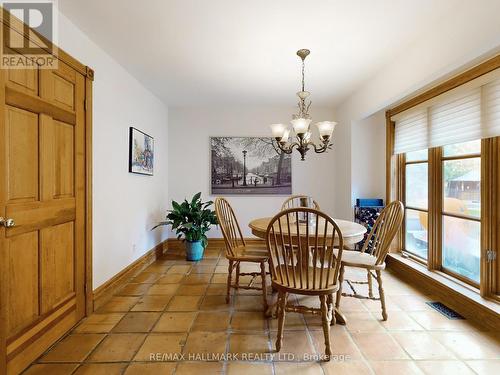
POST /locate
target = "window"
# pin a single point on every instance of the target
(416, 204)
(461, 211)
(443, 162)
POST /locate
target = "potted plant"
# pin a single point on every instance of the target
(191, 221)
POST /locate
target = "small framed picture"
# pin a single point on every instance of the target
(141, 152)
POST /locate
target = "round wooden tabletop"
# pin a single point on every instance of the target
(351, 232)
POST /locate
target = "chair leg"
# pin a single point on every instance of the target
(237, 279)
(281, 318)
(230, 271)
(331, 314)
(381, 293)
(326, 325)
(264, 286)
(370, 283)
(339, 292)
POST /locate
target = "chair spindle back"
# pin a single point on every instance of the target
(228, 223)
(306, 260)
(385, 228)
(296, 201)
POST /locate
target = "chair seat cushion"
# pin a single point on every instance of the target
(358, 259)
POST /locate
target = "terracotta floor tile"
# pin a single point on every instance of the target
(197, 279)
(432, 320)
(175, 322)
(217, 290)
(117, 348)
(244, 344)
(220, 278)
(485, 367)
(51, 368)
(395, 367)
(101, 369)
(346, 368)
(248, 321)
(249, 303)
(242, 368)
(191, 290)
(134, 289)
(73, 348)
(341, 344)
(378, 346)
(223, 268)
(295, 343)
(422, 345)
(184, 303)
(412, 303)
(363, 322)
(199, 368)
(119, 304)
(203, 269)
(157, 268)
(348, 304)
(137, 322)
(163, 289)
(99, 323)
(172, 278)
(211, 321)
(183, 269)
(293, 322)
(206, 343)
(164, 368)
(152, 303)
(444, 368)
(163, 344)
(214, 303)
(146, 277)
(400, 321)
(470, 345)
(309, 368)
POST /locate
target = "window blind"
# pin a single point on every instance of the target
(469, 112)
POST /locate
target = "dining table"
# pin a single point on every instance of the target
(352, 233)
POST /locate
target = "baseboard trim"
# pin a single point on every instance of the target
(465, 301)
(103, 293)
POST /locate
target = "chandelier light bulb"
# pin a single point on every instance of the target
(278, 130)
(325, 128)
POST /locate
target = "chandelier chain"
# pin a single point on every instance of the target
(303, 68)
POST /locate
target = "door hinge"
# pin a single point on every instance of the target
(491, 255)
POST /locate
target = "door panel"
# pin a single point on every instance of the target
(64, 160)
(22, 154)
(22, 281)
(56, 265)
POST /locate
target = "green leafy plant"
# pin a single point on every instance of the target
(191, 220)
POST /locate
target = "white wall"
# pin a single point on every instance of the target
(125, 205)
(189, 152)
(467, 37)
(368, 157)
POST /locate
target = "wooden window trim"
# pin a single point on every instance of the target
(489, 285)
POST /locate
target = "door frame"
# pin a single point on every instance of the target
(88, 74)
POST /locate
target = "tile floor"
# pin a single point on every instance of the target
(172, 319)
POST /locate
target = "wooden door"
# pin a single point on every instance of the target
(42, 189)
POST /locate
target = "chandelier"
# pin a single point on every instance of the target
(301, 122)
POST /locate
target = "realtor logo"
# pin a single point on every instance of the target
(29, 41)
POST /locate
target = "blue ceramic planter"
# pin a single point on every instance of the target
(194, 250)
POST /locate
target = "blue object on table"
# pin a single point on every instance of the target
(363, 202)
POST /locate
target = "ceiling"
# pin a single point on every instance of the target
(241, 52)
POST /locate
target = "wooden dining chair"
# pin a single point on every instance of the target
(237, 251)
(296, 201)
(311, 268)
(372, 255)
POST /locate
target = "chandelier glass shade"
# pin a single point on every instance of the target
(299, 135)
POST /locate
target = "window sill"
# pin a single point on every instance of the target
(461, 297)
